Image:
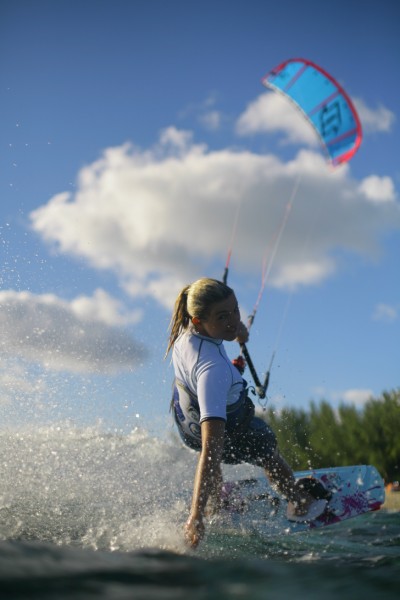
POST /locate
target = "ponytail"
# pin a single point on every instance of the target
(180, 318)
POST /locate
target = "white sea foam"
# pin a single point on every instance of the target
(97, 489)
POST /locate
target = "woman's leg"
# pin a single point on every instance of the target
(258, 446)
(281, 476)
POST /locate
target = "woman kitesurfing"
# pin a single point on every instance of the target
(210, 403)
(211, 406)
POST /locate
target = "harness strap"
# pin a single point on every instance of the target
(238, 415)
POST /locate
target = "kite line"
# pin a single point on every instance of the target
(268, 259)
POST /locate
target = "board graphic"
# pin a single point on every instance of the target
(350, 491)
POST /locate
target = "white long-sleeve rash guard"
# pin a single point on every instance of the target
(203, 367)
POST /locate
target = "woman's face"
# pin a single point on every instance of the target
(223, 320)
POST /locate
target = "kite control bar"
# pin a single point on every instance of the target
(261, 389)
(245, 359)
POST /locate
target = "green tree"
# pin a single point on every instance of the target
(291, 427)
(381, 431)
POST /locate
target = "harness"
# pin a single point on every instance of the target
(186, 411)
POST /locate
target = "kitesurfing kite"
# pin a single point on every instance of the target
(323, 102)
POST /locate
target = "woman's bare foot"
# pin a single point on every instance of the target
(306, 511)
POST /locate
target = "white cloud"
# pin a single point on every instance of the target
(64, 336)
(205, 112)
(272, 112)
(103, 308)
(357, 396)
(211, 120)
(298, 273)
(386, 312)
(374, 120)
(378, 189)
(159, 218)
(175, 139)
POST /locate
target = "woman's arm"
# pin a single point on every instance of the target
(208, 479)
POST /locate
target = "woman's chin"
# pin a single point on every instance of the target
(230, 336)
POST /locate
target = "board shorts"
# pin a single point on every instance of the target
(247, 440)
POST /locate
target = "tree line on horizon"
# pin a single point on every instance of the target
(325, 437)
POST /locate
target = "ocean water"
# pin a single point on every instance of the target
(91, 514)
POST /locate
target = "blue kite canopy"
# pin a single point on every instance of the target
(323, 101)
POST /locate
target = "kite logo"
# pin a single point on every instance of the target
(331, 120)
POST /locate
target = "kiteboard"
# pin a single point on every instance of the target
(348, 491)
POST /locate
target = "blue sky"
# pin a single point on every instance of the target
(130, 134)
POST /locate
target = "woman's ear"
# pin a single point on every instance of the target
(195, 321)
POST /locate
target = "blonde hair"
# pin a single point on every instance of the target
(195, 300)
